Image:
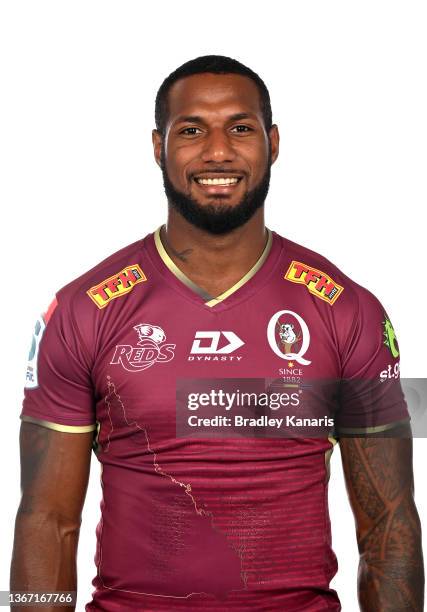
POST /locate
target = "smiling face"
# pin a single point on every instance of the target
(216, 154)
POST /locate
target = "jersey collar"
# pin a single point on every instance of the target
(209, 300)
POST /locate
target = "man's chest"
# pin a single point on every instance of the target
(167, 348)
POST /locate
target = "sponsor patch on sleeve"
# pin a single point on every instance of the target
(116, 285)
(317, 282)
(31, 380)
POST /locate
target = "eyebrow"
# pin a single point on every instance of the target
(198, 119)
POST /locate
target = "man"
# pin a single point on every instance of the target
(212, 301)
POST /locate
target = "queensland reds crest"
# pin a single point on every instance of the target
(151, 348)
(288, 336)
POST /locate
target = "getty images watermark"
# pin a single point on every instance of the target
(277, 408)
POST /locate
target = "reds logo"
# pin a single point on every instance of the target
(150, 349)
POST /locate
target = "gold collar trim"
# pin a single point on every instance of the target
(209, 300)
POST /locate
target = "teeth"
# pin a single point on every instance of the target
(218, 181)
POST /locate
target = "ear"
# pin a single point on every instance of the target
(156, 138)
(274, 138)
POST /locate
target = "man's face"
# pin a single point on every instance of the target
(216, 154)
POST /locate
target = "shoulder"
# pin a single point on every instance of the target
(115, 274)
(80, 305)
(351, 311)
(324, 279)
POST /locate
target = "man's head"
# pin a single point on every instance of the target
(215, 142)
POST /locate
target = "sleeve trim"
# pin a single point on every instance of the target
(376, 429)
(59, 426)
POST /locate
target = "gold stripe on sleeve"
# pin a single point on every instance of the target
(376, 429)
(59, 426)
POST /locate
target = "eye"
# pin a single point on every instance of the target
(242, 128)
(189, 131)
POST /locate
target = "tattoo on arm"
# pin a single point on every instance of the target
(379, 481)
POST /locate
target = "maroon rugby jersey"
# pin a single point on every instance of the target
(209, 522)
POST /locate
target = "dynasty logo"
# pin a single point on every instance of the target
(317, 282)
(211, 351)
(116, 285)
(151, 348)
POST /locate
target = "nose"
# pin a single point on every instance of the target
(217, 147)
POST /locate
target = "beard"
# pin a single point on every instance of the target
(221, 218)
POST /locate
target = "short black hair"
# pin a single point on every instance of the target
(216, 64)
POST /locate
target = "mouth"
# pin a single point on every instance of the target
(218, 184)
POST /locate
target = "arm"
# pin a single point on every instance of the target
(379, 479)
(54, 477)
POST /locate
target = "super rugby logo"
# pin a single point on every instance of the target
(317, 282)
(150, 349)
(289, 340)
(31, 381)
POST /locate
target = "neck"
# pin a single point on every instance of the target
(214, 262)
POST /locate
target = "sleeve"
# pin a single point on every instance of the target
(58, 392)
(371, 398)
